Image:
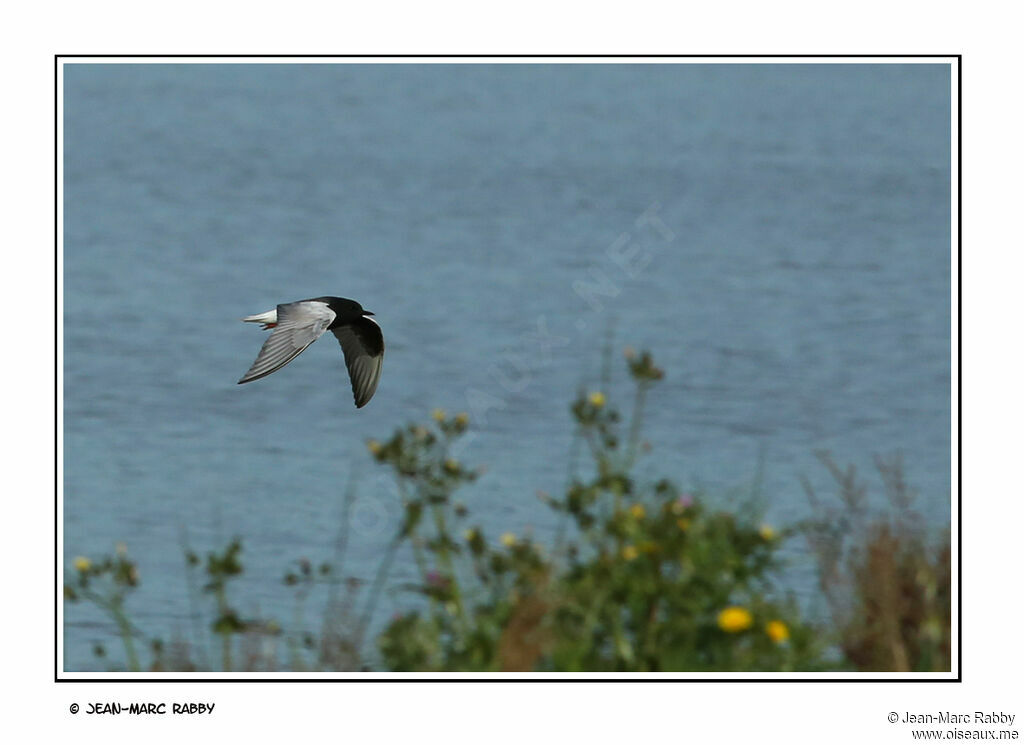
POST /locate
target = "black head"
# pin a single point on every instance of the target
(346, 310)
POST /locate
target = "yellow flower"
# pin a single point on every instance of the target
(438, 415)
(597, 399)
(469, 534)
(629, 553)
(767, 532)
(373, 446)
(777, 631)
(735, 619)
(508, 539)
(82, 564)
(683, 523)
(638, 511)
(462, 419)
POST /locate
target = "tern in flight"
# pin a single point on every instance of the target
(297, 325)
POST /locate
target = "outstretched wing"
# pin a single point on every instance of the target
(363, 345)
(298, 325)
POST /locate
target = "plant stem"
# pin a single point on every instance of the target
(606, 356)
(378, 583)
(444, 555)
(202, 641)
(125, 628)
(634, 425)
(225, 637)
(563, 517)
(341, 540)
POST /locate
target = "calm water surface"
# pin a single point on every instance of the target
(792, 276)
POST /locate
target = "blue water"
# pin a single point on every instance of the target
(792, 276)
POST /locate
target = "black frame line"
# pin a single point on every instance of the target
(954, 59)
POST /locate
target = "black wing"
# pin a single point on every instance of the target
(363, 345)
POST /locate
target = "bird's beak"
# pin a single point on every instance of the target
(367, 313)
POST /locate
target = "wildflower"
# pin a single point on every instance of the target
(508, 540)
(597, 399)
(438, 415)
(767, 532)
(451, 466)
(475, 540)
(435, 579)
(638, 512)
(374, 447)
(683, 524)
(629, 553)
(82, 564)
(680, 505)
(777, 631)
(462, 419)
(735, 619)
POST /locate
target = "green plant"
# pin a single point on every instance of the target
(652, 579)
(246, 636)
(641, 576)
(106, 583)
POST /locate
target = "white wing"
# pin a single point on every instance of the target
(298, 325)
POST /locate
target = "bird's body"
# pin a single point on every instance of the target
(297, 325)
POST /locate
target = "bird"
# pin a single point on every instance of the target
(297, 325)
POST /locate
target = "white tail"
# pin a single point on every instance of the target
(269, 317)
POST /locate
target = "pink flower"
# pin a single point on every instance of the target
(436, 579)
